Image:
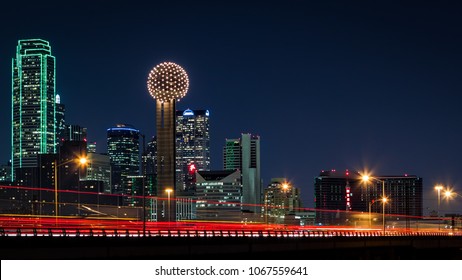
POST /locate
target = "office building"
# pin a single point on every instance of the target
(91, 147)
(192, 146)
(75, 132)
(60, 120)
(124, 152)
(99, 170)
(338, 194)
(70, 170)
(404, 192)
(5, 172)
(219, 195)
(280, 199)
(33, 103)
(244, 154)
(149, 167)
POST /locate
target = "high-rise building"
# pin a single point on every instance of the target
(91, 147)
(149, 167)
(339, 193)
(60, 120)
(332, 191)
(74, 132)
(5, 172)
(280, 199)
(192, 146)
(70, 171)
(99, 169)
(150, 157)
(33, 103)
(405, 195)
(124, 151)
(218, 195)
(244, 154)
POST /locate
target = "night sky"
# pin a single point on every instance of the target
(327, 85)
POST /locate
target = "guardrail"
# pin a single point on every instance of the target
(54, 232)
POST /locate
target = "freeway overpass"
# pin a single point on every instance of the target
(226, 244)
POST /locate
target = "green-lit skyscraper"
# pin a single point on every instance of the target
(33, 104)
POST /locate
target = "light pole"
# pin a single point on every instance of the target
(82, 161)
(438, 188)
(168, 191)
(384, 199)
(143, 185)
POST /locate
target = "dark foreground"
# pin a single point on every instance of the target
(316, 248)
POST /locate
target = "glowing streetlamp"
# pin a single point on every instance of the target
(384, 199)
(450, 194)
(168, 191)
(81, 161)
(438, 188)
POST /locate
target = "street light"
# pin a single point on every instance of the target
(81, 161)
(449, 194)
(438, 188)
(384, 199)
(168, 191)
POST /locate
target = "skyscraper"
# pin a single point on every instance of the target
(33, 103)
(192, 146)
(60, 120)
(244, 154)
(338, 193)
(124, 151)
(74, 132)
(99, 169)
(150, 157)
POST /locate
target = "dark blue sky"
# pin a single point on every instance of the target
(326, 84)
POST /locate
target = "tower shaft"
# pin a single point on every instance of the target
(165, 125)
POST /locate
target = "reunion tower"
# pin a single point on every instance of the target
(167, 83)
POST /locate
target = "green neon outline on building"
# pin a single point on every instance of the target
(24, 142)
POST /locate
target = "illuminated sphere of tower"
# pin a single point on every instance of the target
(168, 81)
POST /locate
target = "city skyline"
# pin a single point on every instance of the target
(330, 85)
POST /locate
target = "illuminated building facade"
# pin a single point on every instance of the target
(150, 157)
(244, 154)
(337, 193)
(280, 199)
(91, 147)
(70, 170)
(33, 103)
(192, 146)
(75, 133)
(5, 172)
(124, 151)
(405, 193)
(219, 195)
(99, 169)
(60, 119)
